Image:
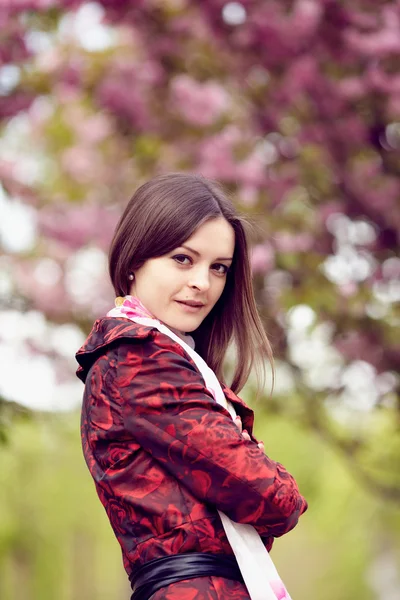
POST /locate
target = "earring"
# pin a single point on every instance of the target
(131, 276)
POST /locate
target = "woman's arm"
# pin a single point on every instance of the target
(170, 413)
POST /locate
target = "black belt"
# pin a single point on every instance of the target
(160, 572)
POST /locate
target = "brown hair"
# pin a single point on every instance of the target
(161, 215)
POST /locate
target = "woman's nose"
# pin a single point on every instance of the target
(200, 280)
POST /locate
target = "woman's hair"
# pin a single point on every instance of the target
(161, 215)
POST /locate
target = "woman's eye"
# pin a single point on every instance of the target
(185, 260)
(180, 258)
(221, 269)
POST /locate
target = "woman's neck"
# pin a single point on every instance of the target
(180, 334)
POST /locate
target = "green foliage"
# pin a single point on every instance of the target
(56, 542)
(330, 552)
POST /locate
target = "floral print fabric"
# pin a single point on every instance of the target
(165, 456)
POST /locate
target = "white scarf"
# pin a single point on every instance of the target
(258, 571)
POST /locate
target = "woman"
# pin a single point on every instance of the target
(193, 500)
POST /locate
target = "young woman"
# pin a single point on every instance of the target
(192, 498)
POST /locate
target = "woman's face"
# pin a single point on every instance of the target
(194, 272)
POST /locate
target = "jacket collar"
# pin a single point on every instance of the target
(241, 408)
(108, 329)
(105, 331)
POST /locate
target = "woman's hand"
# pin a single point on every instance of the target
(245, 434)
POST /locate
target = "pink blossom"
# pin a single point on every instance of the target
(373, 190)
(248, 194)
(217, 160)
(252, 170)
(95, 128)
(13, 186)
(330, 208)
(13, 48)
(262, 258)
(362, 20)
(393, 106)
(50, 299)
(376, 79)
(289, 242)
(367, 169)
(198, 103)
(351, 88)
(14, 103)
(81, 163)
(300, 75)
(215, 155)
(306, 17)
(146, 72)
(304, 241)
(66, 93)
(49, 61)
(88, 127)
(391, 268)
(122, 92)
(351, 130)
(357, 345)
(348, 289)
(22, 5)
(71, 226)
(383, 42)
(77, 226)
(58, 252)
(379, 200)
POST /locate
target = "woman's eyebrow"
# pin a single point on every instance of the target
(198, 253)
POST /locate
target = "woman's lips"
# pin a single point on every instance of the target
(189, 308)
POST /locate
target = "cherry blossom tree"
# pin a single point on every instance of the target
(294, 106)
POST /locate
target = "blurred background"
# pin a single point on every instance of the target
(295, 107)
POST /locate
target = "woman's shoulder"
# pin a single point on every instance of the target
(108, 329)
(111, 331)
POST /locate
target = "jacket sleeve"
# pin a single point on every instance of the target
(168, 410)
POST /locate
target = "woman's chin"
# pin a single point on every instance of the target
(183, 326)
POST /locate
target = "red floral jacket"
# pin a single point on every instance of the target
(165, 455)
